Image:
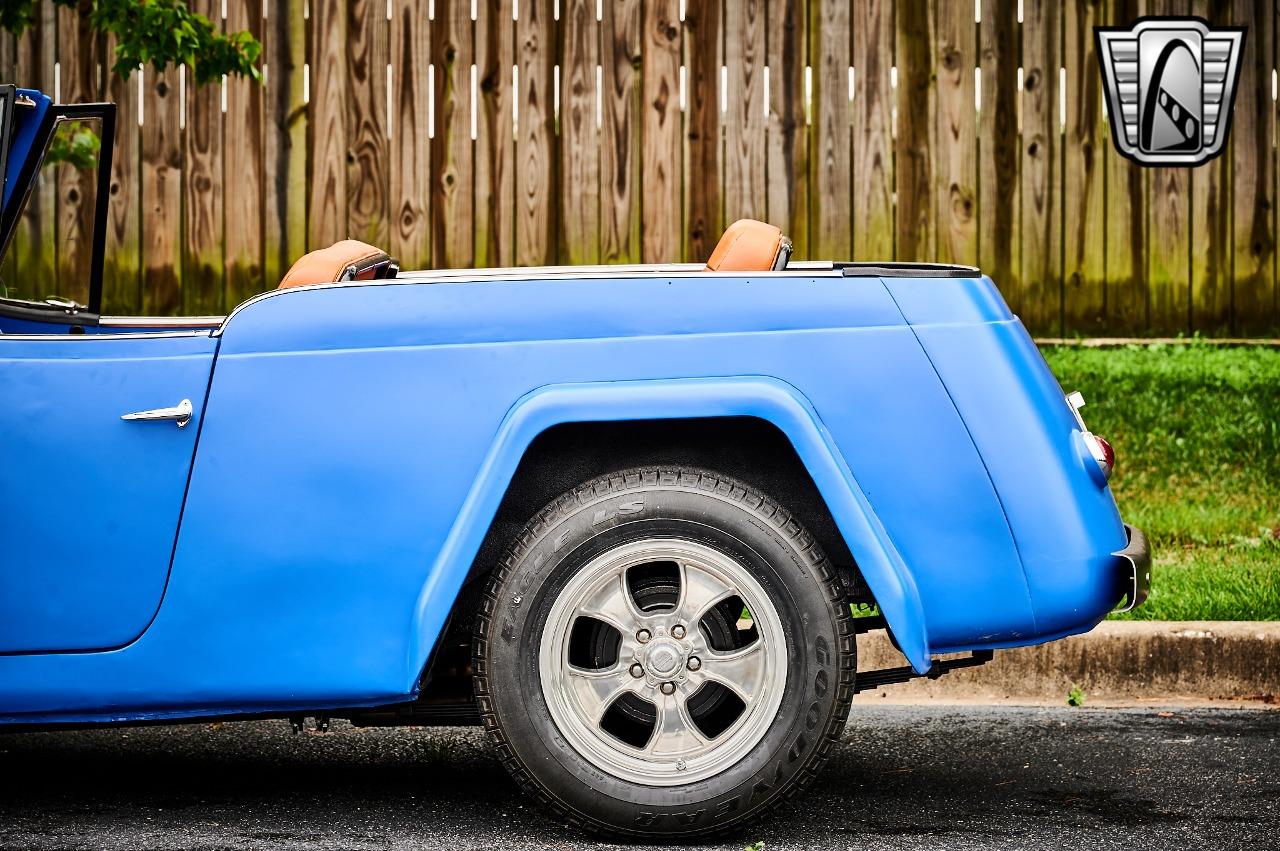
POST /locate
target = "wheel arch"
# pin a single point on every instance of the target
(552, 412)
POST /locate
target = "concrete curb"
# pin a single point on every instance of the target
(1117, 661)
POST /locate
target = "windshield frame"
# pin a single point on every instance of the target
(106, 113)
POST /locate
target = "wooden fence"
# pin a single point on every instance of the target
(518, 132)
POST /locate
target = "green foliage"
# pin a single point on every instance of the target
(1075, 697)
(1197, 435)
(75, 144)
(755, 846)
(159, 32)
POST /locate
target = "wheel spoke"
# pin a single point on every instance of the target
(699, 591)
(674, 732)
(613, 604)
(595, 691)
(741, 671)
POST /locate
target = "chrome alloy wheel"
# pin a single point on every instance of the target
(663, 662)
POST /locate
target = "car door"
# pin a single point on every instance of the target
(90, 501)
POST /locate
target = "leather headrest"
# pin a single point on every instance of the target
(347, 260)
(750, 246)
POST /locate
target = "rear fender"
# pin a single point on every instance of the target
(765, 398)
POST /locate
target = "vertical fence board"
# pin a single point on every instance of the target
(1253, 155)
(999, 151)
(409, 178)
(1126, 243)
(35, 244)
(537, 237)
(1085, 214)
(285, 163)
(916, 104)
(367, 152)
(202, 182)
(1168, 235)
(955, 134)
(660, 129)
(78, 53)
(452, 152)
(873, 174)
(1041, 168)
(579, 134)
(787, 138)
(243, 174)
(495, 204)
(1209, 237)
(328, 205)
(121, 274)
(703, 218)
(744, 129)
(830, 195)
(161, 194)
(620, 133)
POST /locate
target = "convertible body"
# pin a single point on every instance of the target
(301, 540)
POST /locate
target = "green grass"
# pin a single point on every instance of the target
(1196, 430)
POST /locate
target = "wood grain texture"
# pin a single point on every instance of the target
(831, 141)
(620, 133)
(495, 204)
(916, 238)
(1126, 239)
(1000, 152)
(409, 179)
(79, 52)
(202, 189)
(1041, 278)
(703, 48)
(368, 149)
(452, 151)
(744, 128)
(537, 232)
(327, 201)
(579, 189)
(1209, 236)
(787, 131)
(35, 240)
(873, 171)
(955, 134)
(1169, 221)
(1084, 182)
(122, 269)
(1253, 190)
(660, 131)
(285, 151)
(162, 156)
(243, 169)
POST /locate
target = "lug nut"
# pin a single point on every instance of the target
(694, 663)
(677, 631)
(668, 688)
(637, 670)
(643, 636)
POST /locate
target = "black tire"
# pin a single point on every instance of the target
(682, 504)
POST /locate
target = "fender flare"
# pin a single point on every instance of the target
(762, 397)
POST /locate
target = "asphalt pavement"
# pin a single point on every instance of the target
(905, 777)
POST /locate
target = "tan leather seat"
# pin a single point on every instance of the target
(750, 246)
(348, 260)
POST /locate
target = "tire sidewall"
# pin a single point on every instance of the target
(552, 555)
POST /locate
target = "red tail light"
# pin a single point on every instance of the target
(1099, 447)
(1107, 461)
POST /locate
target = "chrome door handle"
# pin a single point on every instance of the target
(179, 414)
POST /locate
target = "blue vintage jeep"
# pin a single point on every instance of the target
(618, 515)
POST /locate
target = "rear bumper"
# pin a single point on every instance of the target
(1134, 569)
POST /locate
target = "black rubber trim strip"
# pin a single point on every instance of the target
(906, 270)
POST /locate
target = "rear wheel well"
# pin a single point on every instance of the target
(750, 449)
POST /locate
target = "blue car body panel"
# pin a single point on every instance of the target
(356, 440)
(90, 502)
